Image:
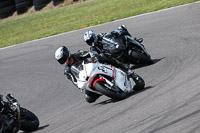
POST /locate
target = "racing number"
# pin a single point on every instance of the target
(103, 69)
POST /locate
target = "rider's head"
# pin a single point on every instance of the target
(122, 27)
(62, 54)
(90, 37)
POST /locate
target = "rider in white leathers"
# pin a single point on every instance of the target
(63, 56)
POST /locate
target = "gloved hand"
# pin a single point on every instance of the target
(140, 40)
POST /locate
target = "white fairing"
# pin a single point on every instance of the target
(92, 69)
(119, 77)
(97, 68)
(82, 82)
(122, 81)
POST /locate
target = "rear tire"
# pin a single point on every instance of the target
(143, 59)
(140, 84)
(117, 95)
(30, 121)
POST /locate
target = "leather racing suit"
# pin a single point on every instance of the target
(79, 56)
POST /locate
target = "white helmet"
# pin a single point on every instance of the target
(90, 37)
(62, 54)
(122, 27)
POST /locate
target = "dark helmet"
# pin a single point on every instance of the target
(62, 54)
(90, 37)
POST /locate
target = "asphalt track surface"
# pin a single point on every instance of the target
(170, 102)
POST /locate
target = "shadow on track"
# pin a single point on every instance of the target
(134, 93)
(39, 128)
(144, 65)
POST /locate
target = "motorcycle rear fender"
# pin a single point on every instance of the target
(122, 81)
(120, 78)
(97, 80)
(91, 80)
(90, 83)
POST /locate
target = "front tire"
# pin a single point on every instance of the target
(30, 121)
(116, 94)
(143, 59)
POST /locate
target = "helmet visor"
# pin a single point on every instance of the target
(62, 60)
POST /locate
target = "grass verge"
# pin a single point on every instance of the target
(37, 25)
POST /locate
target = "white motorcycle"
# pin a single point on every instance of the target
(105, 79)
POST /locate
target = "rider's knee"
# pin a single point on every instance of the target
(91, 97)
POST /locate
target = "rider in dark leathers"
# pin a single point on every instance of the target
(94, 41)
(5, 120)
(63, 55)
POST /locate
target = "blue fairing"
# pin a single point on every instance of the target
(137, 43)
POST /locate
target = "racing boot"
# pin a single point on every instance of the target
(140, 40)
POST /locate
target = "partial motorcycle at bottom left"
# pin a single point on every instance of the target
(15, 118)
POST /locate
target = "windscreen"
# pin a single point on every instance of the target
(113, 44)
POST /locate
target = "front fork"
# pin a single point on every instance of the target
(108, 82)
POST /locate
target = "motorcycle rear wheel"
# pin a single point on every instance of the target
(117, 95)
(30, 121)
(140, 84)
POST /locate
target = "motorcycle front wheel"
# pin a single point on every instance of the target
(30, 121)
(114, 93)
(141, 58)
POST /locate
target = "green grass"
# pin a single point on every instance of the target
(28, 27)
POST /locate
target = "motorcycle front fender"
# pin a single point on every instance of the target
(133, 41)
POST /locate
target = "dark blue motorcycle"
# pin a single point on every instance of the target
(125, 49)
